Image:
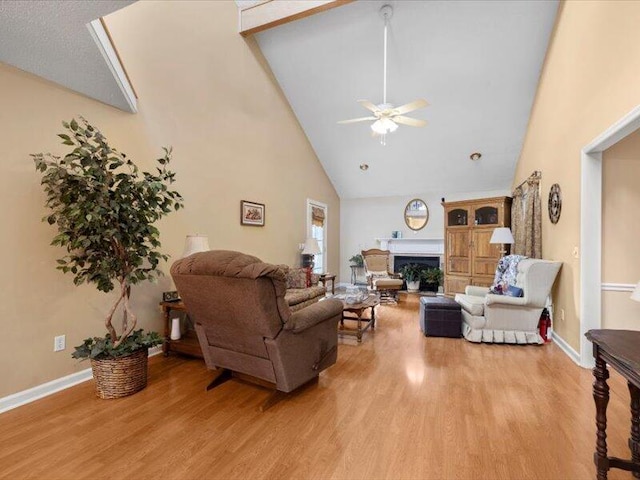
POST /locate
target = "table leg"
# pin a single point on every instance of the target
(333, 286)
(601, 398)
(373, 318)
(634, 441)
(167, 331)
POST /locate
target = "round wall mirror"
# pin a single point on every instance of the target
(416, 214)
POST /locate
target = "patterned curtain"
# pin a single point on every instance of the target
(317, 216)
(526, 218)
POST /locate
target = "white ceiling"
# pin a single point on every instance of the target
(50, 39)
(476, 62)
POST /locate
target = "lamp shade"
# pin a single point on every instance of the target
(311, 247)
(502, 235)
(194, 244)
(636, 293)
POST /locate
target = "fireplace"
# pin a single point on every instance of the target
(400, 261)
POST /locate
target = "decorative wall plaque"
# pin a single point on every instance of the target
(555, 203)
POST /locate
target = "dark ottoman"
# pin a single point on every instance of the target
(440, 317)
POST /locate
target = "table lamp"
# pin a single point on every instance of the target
(310, 249)
(194, 244)
(636, 293)
(503, 236)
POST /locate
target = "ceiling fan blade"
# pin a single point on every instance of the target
(412, 122)
(410, 107)
(369, 106)
(354, 120)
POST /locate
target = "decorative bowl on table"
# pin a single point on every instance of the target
(355, 295)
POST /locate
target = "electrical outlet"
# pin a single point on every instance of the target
(562, 314)
(59, 343)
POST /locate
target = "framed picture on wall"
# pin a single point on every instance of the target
(252, 213)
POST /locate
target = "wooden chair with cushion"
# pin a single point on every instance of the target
(379, 277)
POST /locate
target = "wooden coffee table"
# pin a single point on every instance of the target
(358, 309)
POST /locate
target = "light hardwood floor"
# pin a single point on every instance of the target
(399, 406)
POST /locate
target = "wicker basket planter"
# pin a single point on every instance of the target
(122, 376)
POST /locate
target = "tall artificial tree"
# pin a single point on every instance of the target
(104, 208)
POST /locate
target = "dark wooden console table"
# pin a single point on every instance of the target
(621, 350)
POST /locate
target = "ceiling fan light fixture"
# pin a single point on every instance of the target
(384, 126)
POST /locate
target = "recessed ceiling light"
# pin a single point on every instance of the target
(364, 167)
(475, 156)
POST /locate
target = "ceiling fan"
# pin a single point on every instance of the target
(386, 116)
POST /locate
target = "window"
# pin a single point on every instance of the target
(317, 228)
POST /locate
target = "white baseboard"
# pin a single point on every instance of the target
(566, 348)
(32, 394)
(349, 284)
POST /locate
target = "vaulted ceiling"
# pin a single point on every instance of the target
(476, 62)
(53, 39)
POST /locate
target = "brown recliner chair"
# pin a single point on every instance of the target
(244, 324)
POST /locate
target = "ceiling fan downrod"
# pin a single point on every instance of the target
(386, 11)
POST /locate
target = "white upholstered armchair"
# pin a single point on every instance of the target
(503, 319)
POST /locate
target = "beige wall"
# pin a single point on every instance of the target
(204, 90)
(621, 231)
(589, 81)
(365, 219)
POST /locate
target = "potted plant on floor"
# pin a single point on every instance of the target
(432, 278)
(104, 209)
(411, 274)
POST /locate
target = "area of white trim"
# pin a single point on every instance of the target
(591, 246)
(409, 246)
(591, 226)
(566, 348)
(618, 287)
(616, 132)
(40, 391)
(44, 390)
(103, 42)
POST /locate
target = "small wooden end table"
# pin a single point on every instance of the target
(329, 277)
(621, 350)
(188, 343)
(358, 309)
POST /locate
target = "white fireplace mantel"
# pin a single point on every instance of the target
(413, 246)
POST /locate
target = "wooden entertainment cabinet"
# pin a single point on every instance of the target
(469, 258)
